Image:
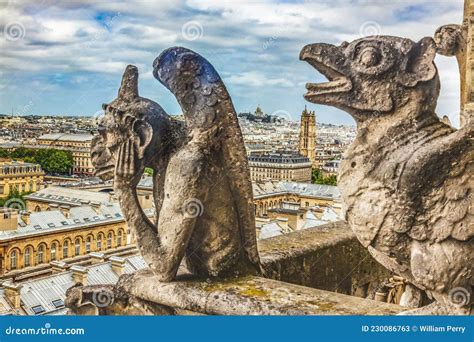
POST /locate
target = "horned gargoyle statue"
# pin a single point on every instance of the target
(407, 178)
(201, 185)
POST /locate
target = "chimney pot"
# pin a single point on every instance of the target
(118, 264)
(12, 292)
(79, 274)
(97, 257)
(58, 266)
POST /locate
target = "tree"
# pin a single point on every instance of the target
(19, 199)
(51, 160)
(54, 161)
(318, 178)
(4, 153)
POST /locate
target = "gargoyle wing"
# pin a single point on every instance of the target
(449, 205)
(210, 114)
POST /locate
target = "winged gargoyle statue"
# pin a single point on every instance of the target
(202, 189)
(202, 186)
(407, 179)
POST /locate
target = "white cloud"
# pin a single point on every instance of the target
(253, 43)
(256, 79)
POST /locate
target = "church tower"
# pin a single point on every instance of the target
(308, 135)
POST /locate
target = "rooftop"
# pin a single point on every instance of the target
(262, 189)
(55, 220)
(46, 295)
(67, 137)
(14, 163)
(73, 197)
(278, 157)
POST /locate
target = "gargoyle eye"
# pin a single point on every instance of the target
(369, 57)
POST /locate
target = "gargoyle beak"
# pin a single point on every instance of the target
(329, 61)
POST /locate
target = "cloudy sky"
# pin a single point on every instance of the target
(67, 57)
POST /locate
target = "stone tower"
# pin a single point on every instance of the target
(308, 135)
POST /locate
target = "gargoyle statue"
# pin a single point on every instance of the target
(202, 189)
(407, 178)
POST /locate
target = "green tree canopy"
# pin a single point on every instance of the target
(319, 178)
(51, 160)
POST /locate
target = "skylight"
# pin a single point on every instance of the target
(38, 309)
(58, 303)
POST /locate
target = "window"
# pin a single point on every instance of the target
(109, 240)
(40, 254)
(88, 244)
(65, 249)
(13, 260)
(77, 247)
(27, 257)
(99, 242)
(58, 303)
(119, 238)
(53, 251)
(38, 309)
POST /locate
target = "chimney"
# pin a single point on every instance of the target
(95, 206)
(12, 292)
(58, 266)
(79, 274)
(53, 206)
(118, 264)
(25, 217)
(97, 257)
(65, 209)
(8, 219)
(112, 197)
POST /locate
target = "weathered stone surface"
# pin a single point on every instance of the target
(248, 295)
(451, 40)
(202, 188)
(407, 178)
(328, 257)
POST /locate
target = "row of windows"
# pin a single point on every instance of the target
(66, 252)
(12, 170)
(20, 187)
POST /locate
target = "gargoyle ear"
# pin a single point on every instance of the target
(419, 63)
(144, 131)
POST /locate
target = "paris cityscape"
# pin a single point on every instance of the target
(293, 176)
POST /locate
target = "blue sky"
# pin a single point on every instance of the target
(67, 57)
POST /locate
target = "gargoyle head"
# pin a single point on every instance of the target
(374, 75)
(450, 39)
(129, 116)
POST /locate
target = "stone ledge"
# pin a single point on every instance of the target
(327, 257)
(248, 296)
(304, 241)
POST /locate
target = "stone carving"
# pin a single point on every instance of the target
(202, 187)
(451, 41)
(407, 178)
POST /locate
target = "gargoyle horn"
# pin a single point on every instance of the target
(129, 88)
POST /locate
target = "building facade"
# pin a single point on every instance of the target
(307, 146)
(20, 176)
(78, 144)
(34, 239)
(279, 166)
(272, 195)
